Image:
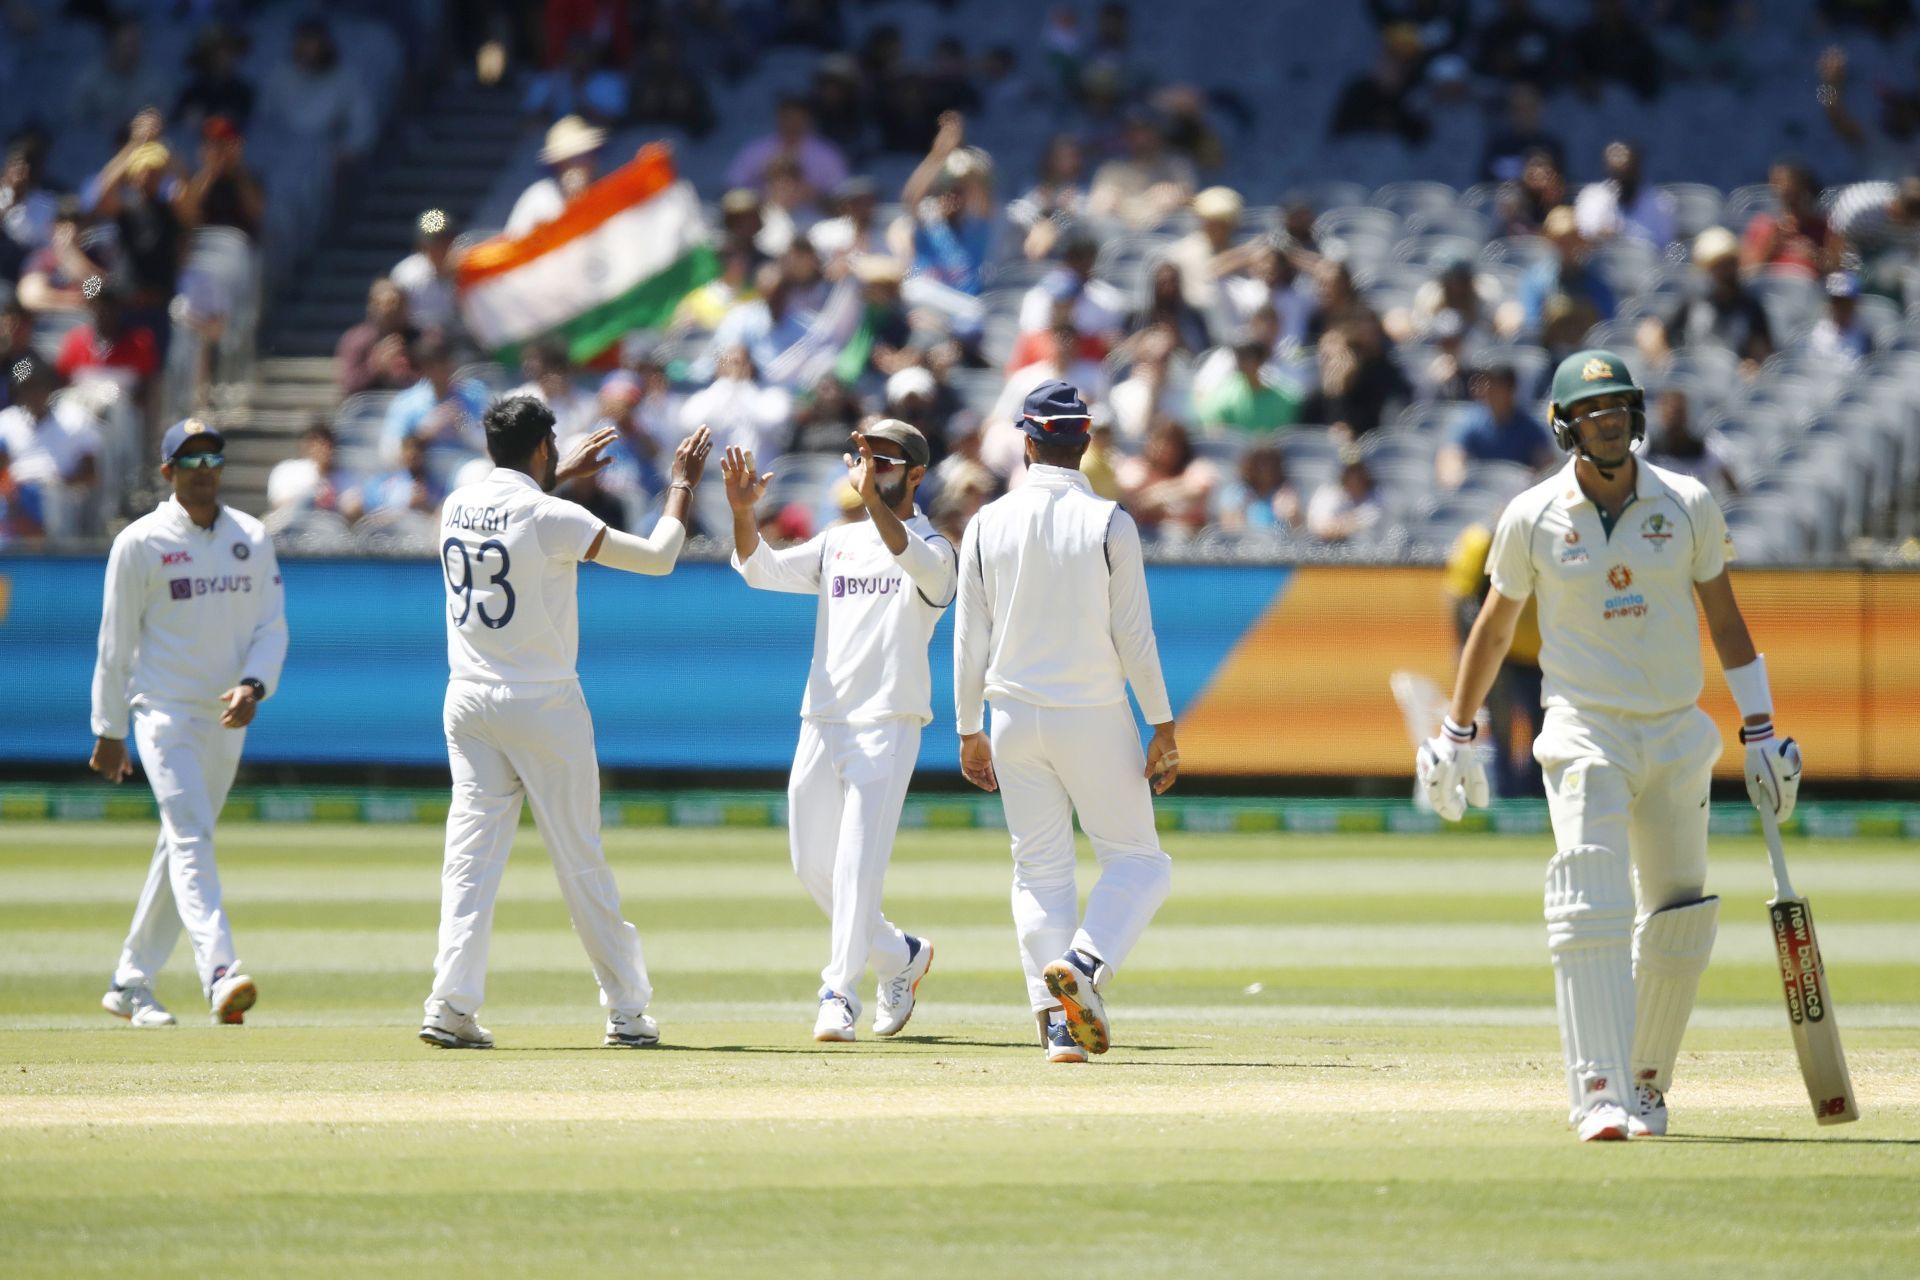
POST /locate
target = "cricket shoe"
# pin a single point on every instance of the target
(1070, 979)
(894, 1005)
(1648, 1118)
(1059, 1042)
(631, 1031)
(1606, 1122)
(835, 1023)
(137, 1005)
(232, 995)
(447, 1028)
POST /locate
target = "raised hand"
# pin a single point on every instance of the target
(745, 486)
(690, 459)
(588, 457)
(862, 478)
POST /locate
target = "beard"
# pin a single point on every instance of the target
(892, 488)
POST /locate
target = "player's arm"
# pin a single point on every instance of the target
(124, 603)
(658, 552)
(1131, 624)
(791, 569)
(1773, 765)
(972, 629)
(1486, 649)
(266, 651)
(932, 569)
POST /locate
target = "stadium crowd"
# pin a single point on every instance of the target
(1320, 364)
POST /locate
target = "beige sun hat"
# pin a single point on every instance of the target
(1714, 244)
(569, 139)
(1218, 204)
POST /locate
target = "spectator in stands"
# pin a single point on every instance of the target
(223, 191)
(1056, 200)
(426, 276)
(1522, 208)
(839, 112)
(1145, 187)
(658, 412)
(1797, 238)
(549, 379)
(111, 346)
(822, 166)
(314, 481)
(1441, 24)
(216, 87)
(571, 154)
(739, 410)
(1705, 44)
(1624, 204)
(1262, 327)
(1098, 309)
(1065, 359)
(1879, 223)
(1720, 310)
(19, 508)
(53, 450)
(441, 411)
(1249, 399)
(1676, 446)
(824, 415)
(702, 310)
(374, 354)
(1611, 46)
(16, 340)
(1520, 46)
(1347, 506)
(1473, 298)
(27, 209)
(1889, 147)
(151, 239)
(665, 90)
(412, 486)
(913, 396)
(1276, 282)
(1520, 136)
(1562, 294)
(1166, 308)
(1840, 335)
(1148, 393)
(1263, 499)
(583, 85)
(878, 347)
(606, 24)
(1379, 100)
(313, 100)
(1495, 429)
(807, 283)
(1168, 489)
(118, 85)
(1359, 382)
(633, 471)
(947, 230)
(766, 327)
(52, 276)
(1189, 132)
(854, 228)
(1446, 376)
(1207, 253)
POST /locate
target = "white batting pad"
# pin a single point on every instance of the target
(1589, 933)
(1670, 952)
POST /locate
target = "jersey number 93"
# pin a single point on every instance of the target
(461, 586)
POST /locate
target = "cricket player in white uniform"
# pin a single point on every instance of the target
(192, 638)
(516, 722)
(882, 584)
(1616, 551)
(1052, 626)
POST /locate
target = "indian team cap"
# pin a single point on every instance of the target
(1054, 413)
(184, 430)
(904, 434)
(1586, 374)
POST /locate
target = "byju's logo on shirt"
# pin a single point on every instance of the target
(882, 586)
(226, 584)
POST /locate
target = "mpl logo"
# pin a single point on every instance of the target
(171, 558)
(1619, 577)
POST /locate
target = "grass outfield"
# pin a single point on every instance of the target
(1335, 1056)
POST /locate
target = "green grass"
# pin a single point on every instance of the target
(1335, 1056)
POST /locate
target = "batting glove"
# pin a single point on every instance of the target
(1450, 772)
(1773, 770)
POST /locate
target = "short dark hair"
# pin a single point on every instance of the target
(515, 427)
(319, 429)
(1056, 454)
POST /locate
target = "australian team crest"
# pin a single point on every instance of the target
(1596, 370)
(1657, 530)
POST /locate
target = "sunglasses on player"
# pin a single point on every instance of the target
(200, 461)
(882, 463)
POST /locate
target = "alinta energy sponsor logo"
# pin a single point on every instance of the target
(1627, 604)
(1619, 577)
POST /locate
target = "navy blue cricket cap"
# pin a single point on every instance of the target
(184, 430)
(1055, 414)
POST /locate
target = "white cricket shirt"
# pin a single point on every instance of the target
(1053, 604)
(188, 614)
(1619, 630)
(876, 616)
(509, 567)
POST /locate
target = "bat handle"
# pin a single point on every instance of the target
(1770, 828)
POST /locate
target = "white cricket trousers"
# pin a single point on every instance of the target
(506, 743)
(190, 762)
(1636, 785)
(1054, 762)
(843, 811)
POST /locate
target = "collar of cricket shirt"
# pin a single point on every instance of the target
(1042, 473)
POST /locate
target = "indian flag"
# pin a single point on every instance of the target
(621, 257)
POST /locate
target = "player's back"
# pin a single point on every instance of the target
(508, 560)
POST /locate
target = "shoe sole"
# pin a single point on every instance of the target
(1066, 1057)
(832, 1037)
(1612, 1133)
(441, 1040)
(1088, 1029)
(233, 1010)
(623, 1042)
(913, 993)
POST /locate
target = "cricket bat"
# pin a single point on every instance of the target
(1816, 1036)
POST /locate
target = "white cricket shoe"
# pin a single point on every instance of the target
(1059, 1042)
(894, 1005)
(835, 1023)
(448, 1029)
(1648, 1118)
(631, 1031)
(1070, 980)
(1606, 1122)
(137, 1005)
(232, 995)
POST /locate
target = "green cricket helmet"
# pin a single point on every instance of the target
(1583, 376)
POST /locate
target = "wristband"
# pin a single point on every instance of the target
(1752, 733)
(1459, 733)
(259, 689)
(680, 484)
(1748, 685)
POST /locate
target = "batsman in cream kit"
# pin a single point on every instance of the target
(1617, 552)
